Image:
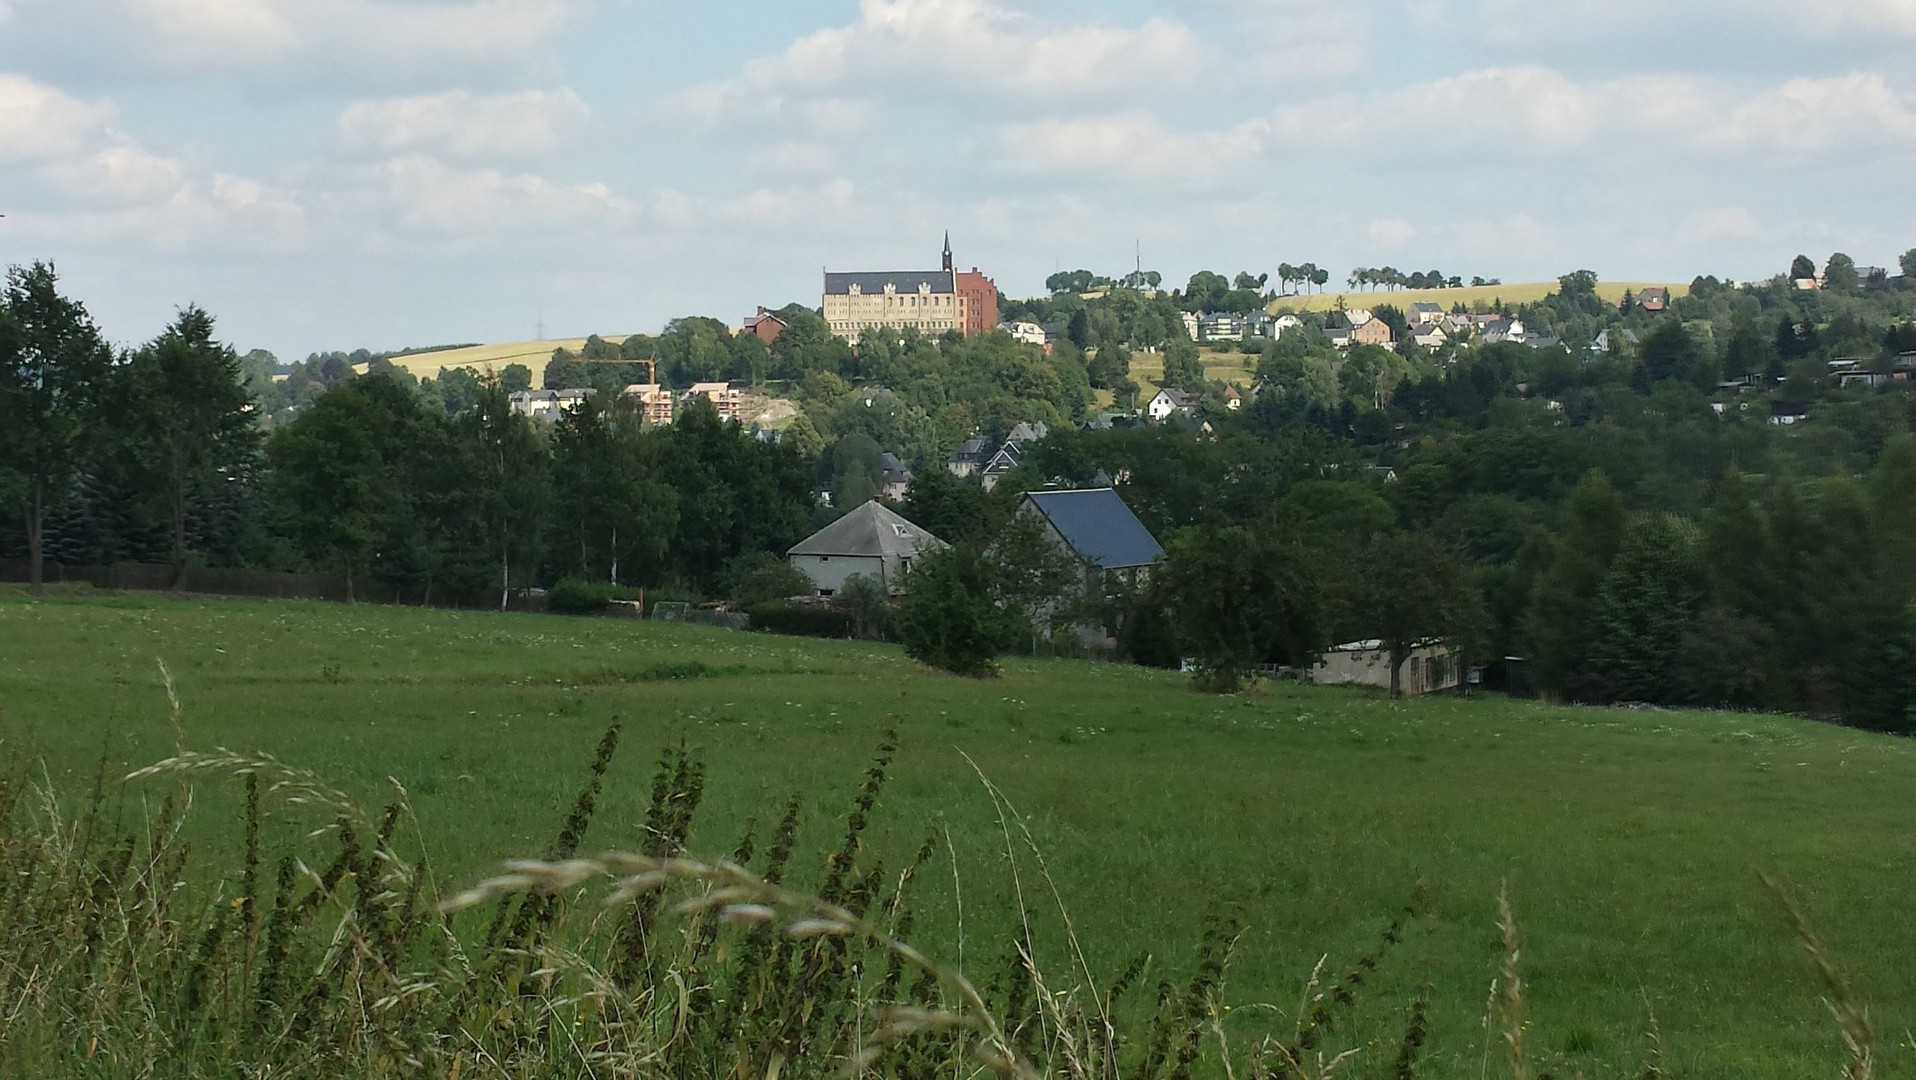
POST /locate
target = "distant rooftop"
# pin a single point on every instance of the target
(1099, 527)
(903, 281)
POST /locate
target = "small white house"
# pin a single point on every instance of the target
(1431, 666)
(1030, 333)
(870, 540)
(1168, 400)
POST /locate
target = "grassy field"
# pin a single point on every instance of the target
(1516, 293)
(494, 358)
(1630, 840)
(1234, 367)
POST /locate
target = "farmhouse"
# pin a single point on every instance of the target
(870, 540)
(1431, 666)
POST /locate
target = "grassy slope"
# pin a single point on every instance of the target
(1517, 293)
(533, 354)
(1147, 369)
(1630, 840)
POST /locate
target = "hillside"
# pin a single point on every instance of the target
(533, 354)
(1518, 293)
(1629, 839)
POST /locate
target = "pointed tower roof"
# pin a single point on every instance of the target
(871, 529)
(947, 249)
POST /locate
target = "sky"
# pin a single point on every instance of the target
(338, 174)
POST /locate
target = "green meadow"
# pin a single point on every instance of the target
(1630, 842)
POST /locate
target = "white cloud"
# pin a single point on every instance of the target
(120, 174)
(433, 197)
(967, 45)
(307, 40)
(1893, 16)
(771, 205)
(793, 157)
(1134, 142)
(39, 123)
(1530, 110)
(1299, 39)
(1721, 223)
(1813, 114)
(463, 124)
(1390, 232)
(1509, 110)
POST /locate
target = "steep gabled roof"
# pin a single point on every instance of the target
(870, 530)
(1098, 527)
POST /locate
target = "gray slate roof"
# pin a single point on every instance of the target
(1099, 527)
(869, 530)
(905, 281)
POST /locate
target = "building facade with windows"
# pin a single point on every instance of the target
(932, 302)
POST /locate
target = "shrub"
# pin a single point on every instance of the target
(780, 617)
(869, 604)
(948, 619)
(761, 577)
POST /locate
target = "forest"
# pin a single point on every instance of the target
(1717, 508)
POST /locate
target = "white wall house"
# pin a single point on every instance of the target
(1168, 400)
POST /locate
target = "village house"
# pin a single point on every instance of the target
(1606, 337)
(1373, 332)
(871, 540)
(546, 404)
(896, 479)
(1221, 326)
(1424, 313)
(1340, 337)
(969, 458)
(1098, 531)
(1500, 329)
(1168, 401)
(1232, 399)
(764, 326)
(1029, 333)
(1429, 336)
(1430, 667)
(1653, 299)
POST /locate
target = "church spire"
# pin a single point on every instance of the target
(947, 250)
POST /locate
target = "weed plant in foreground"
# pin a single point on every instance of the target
(125, 957)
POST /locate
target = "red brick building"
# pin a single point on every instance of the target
(980, 301)
(979, 295)
(764, 326)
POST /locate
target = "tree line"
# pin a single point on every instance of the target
(157, 453)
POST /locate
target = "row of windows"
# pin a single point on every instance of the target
(899, 324)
